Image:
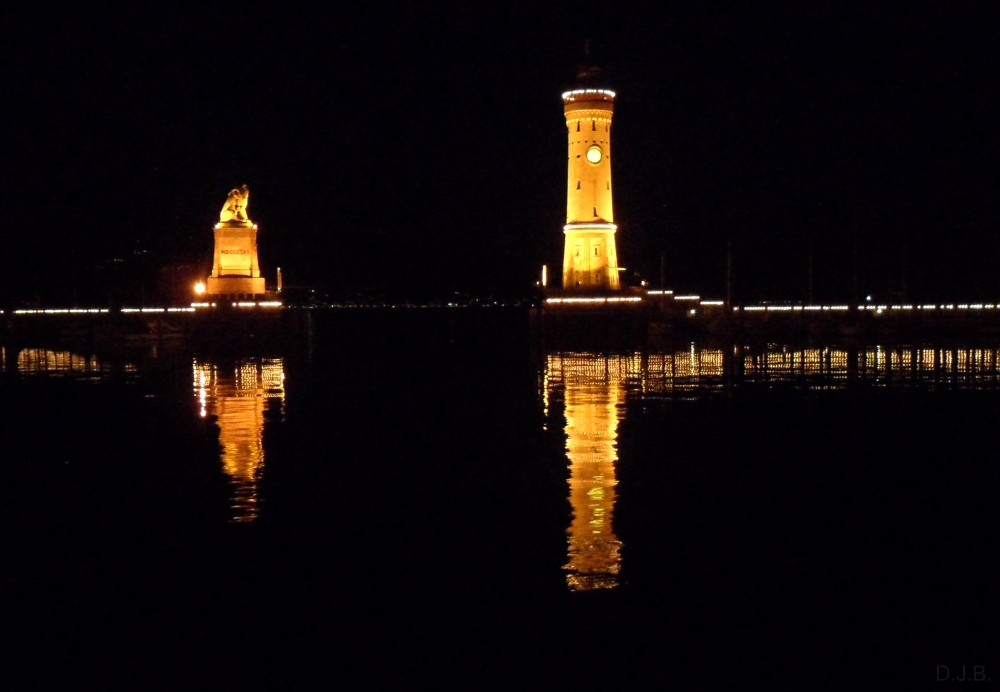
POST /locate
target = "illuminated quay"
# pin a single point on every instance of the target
(592, 301)
(663, 312)
(230, 304)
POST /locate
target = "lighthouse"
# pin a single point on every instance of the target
(590, 261)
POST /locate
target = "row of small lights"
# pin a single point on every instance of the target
(102, 311)
(635, 299)
(62, 311)
(158, 310)
(871, 308)
(790, 308)
(710, 303)
(799, 308)
(589, 227)
(579, 92)
(613, 299)
(240, 304)
(878, 309)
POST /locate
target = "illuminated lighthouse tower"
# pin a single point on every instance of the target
(590, 263)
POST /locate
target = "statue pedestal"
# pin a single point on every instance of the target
(235, 270)
(234, 286)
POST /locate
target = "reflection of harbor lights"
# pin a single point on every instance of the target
(238, 399)
(593, 390)
(202, 393)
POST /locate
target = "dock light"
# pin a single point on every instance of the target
(199, 288)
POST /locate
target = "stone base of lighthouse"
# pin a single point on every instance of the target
(590, 260)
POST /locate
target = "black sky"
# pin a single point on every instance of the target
(421, 149)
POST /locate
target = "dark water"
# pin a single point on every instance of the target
(421, 496)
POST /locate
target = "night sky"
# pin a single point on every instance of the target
(419, 151)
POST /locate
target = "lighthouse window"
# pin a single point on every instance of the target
(609, 184)
(597, 251)
(577, 180)
(593, 125)
(577, 125)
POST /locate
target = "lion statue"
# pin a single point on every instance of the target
(235, 208)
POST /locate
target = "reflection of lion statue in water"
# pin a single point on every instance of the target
(235, 208)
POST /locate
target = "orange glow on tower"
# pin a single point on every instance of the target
(590, 260)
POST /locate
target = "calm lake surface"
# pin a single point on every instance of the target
(416, 496)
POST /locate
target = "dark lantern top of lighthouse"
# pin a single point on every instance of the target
(590, 73)
(590, 86)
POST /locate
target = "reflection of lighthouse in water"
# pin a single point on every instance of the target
(593, 390)
(239, 397)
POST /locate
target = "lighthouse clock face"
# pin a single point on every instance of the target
(594, 154)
